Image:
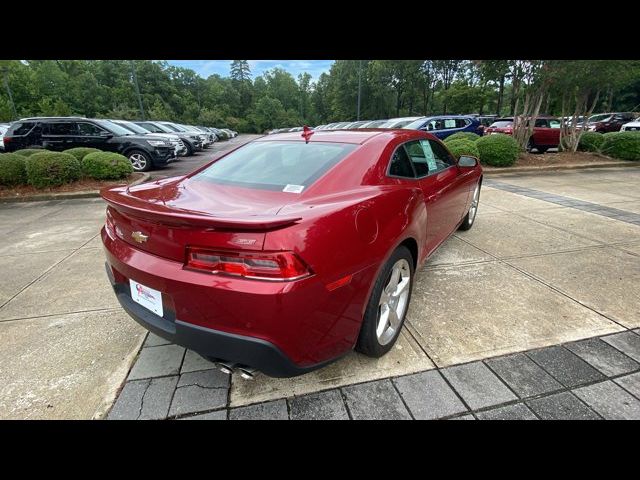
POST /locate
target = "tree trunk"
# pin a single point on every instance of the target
(500, 95)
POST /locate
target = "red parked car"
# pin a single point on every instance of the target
(290, 251)
(608, 122)
(546, 132)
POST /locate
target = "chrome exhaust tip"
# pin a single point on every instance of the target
(226, 367)
(247, 373)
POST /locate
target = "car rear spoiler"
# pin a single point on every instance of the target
(119, 199)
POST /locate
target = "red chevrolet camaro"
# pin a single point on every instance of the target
(290, 251)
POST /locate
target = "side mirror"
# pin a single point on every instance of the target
(466, 161)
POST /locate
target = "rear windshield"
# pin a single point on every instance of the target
(284, 166)
(502, 124)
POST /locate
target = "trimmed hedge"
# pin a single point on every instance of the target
(462, 136)
(498, 150)
(13, 169)
(622, 145)
(106, 166)
(463, 147)
(51, 169)
(590, 141)
(81, 152)
(27, 152)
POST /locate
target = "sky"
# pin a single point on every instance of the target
(204, 68)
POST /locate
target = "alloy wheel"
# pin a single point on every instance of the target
(138, 161)
(393, 302)
(474, 204)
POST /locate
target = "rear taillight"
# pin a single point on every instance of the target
(6, 140)
(277, 266)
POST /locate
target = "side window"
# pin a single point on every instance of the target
(554, 123)
(442, 158)
(400, 165)
(541, 122)
(61, 128)
(89, 129)
(22, 128)
(418, 158)
(461, 122)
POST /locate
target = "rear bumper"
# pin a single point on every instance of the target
(281, 329)
(215, 344)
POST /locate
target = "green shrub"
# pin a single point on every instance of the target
(12, 169)
(463, 147)
(498, 150)
(81, 152)
(590, 141)
(27, 152)
(622, 145)
(462, 136)
(50, 169)
(106, 166)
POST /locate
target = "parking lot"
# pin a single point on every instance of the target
(552, 259)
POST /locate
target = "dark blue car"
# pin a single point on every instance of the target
(444, 125)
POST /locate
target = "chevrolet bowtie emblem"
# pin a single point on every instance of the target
(139, 237)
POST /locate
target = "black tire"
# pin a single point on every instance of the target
(368, 342)
(530, 145)
(470, 217)
(189, 149)
(542, 149)
(140, 160)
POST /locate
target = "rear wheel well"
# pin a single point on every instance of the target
(412, 245)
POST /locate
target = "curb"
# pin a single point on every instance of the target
(551, 168)
(67, 195)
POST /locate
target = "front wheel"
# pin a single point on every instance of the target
(140, 160)
(387, 306)
(467, 223)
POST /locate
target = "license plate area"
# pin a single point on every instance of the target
(148, 297)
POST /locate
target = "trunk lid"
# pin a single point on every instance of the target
(165, 217)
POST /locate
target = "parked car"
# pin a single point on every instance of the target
(398, 122)
(204, 141)
(3, 129)
(175, 140)
(608, 122)
(356, 124)
(191, 140)
(545, 135)
(444, 125)
(631, 126)
(234, 262)
(62, 133)
(373, 124)
(221, 134)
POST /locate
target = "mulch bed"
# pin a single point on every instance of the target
(79, 186)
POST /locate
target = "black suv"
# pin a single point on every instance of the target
(61, 133)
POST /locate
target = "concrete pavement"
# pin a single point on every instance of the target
(552, 264)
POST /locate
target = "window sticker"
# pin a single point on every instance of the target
(293, 188)
(428, 154)
(450, 123)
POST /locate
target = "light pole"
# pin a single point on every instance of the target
(5, 74)
(359, 86)
(135, 82)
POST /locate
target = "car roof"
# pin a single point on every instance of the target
(359, 136)
(52, 118)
